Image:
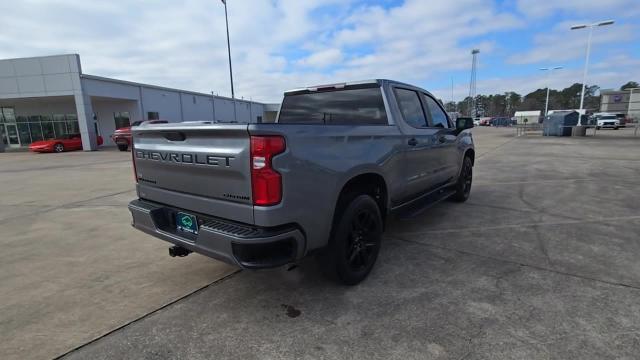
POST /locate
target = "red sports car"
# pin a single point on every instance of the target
(65, 143)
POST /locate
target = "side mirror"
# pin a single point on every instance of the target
(463, 123)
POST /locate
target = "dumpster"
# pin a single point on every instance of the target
(559, 123)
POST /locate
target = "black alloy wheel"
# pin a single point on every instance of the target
(463, 187)
(355, 243)
(362, 240)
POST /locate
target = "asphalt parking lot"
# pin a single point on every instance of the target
(540, 263)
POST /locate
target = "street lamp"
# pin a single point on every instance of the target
(226, 19)
(546, 105)
(586, 63)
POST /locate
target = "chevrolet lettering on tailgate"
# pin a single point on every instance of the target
(185, 158)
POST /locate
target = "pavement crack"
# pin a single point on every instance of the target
(215, 282)
(512, 226)
(537, 267)
(65, 206)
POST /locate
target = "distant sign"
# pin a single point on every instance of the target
(617, 98)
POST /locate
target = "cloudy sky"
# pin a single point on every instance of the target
(277, 45)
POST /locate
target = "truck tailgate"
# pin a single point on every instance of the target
(196, 166)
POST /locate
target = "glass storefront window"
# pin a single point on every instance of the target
(60, 128)
(24, 133)
(8, 114)
(47, 130)
(36, 131)
(72, 127)
(28, 129)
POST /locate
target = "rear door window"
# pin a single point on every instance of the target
(438, 117)
(362, 106)
(410, 107)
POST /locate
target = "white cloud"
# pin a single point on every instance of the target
(275, 45)
(561, 43)
(322, 58)
(538, 8)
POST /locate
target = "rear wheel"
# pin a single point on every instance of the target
(463, 186)
(355, 244)
(123, 147)
(58, 148)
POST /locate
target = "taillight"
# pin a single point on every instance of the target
(266, 183)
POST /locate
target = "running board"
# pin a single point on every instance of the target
(418, 206)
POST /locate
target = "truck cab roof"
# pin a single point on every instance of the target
(342, 85)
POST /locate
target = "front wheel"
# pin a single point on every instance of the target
(123, 147)
(355, 244)
(58, 148)
(463, 186)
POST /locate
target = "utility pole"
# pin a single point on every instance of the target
(233, 96)
(213, 106)
(452, 101)
(472, 83)
(546, 104)
(635, 131)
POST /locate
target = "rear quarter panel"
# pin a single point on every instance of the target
(318, 162)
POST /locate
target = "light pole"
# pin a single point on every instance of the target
(635, 131)
(233, 96)
(546, 104)
(586, 62)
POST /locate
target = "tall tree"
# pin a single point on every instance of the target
(630, 85)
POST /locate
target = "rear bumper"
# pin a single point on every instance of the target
(244, 245)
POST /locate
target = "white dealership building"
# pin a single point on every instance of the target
(48, 97)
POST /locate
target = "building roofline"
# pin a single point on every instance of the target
(157, 87)
(608, 92)
(39, 57)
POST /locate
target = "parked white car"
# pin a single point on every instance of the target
(607, 121)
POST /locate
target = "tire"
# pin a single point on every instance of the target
(597, 127)
(355, 242)
(615, 128)
(463, 185)
(123, 147)
(58, 148)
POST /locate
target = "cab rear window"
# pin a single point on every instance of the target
(340, 107)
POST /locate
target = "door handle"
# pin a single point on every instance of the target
(412, 142)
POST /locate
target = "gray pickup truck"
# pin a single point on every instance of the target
(320, 180)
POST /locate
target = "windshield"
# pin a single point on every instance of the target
(136, 123)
